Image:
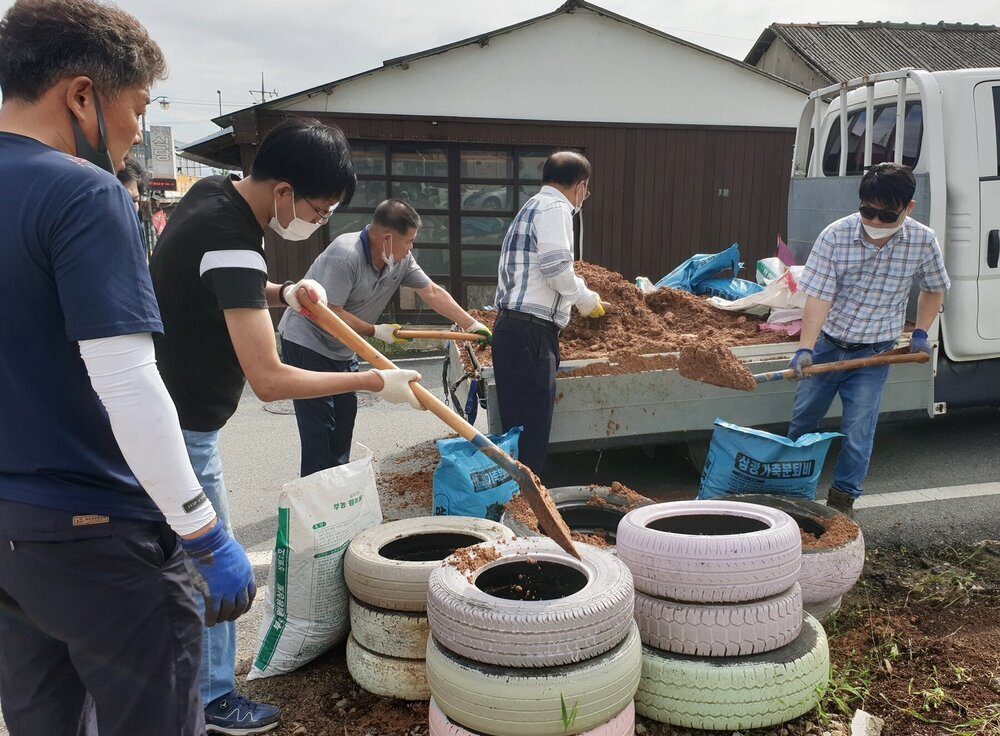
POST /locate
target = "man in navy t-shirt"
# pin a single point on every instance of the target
(95, 483)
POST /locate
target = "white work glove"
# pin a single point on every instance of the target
(315, 289)
(590, 305)
(387, 334)
(478, 328)
(396, 387)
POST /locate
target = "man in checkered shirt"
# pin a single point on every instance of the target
(537, 289)
(857, 281)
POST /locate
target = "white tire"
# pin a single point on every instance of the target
(390, 677)
(573, 503)
(473, 623)
(828, 572)
(822, 610)
(736, 693)
(710, 551)
(500, 701)
(388, 566)
(393, 633)
(622, 724)
(720, 629)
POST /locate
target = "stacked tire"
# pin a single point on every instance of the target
(829, 571)
(529, 641)
(386, 570)
(726, 643)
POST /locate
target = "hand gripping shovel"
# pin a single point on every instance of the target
(550, 521)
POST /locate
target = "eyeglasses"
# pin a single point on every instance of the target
(885, 216)
(323, 216)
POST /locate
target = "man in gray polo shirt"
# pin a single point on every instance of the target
(360, 272)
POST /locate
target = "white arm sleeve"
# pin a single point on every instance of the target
(144, 421)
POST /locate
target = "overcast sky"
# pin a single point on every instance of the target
(224, 45)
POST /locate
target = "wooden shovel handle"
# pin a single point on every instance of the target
(845, 365)
(438, 335)
(339, 329)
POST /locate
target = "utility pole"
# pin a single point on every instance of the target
(264, 94)
(219, 93)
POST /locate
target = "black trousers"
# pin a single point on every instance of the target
(326, 425)
(104, 608)
(525, 358)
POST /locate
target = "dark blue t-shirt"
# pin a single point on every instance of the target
(72, 267)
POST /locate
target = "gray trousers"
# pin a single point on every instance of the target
(102, 608)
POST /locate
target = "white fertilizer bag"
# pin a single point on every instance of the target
(306, 607)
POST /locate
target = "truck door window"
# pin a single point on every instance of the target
(883, 138)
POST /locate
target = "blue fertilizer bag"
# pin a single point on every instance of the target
(744, 460)
(698, 268)
(467, 483)
(728, 289)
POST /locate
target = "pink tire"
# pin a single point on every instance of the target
(621, 725)
(710, 551)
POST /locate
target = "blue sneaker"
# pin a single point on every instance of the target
(233, 714)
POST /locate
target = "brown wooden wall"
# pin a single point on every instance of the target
(655, 190)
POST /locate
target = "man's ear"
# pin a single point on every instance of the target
(79, 95)
(910, 206)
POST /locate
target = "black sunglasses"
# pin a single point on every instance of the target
(886, 216)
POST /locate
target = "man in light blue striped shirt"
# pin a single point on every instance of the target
(857, 281)
(536, 290)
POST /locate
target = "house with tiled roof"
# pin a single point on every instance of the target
(815, 55)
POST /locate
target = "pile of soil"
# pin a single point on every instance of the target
(838, 531)
(412, 487)
(713, 363)
(635, 324)
(468, 559)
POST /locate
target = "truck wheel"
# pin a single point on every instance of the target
(710, 551)
(390, 677)
(828, 572)
(393, 633)
(535, 606)
(736, 693)
(387, 566)
(622, 724)
(503, 700)
(720, 630)
(573, 502)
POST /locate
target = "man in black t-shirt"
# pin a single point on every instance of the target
(211, 282)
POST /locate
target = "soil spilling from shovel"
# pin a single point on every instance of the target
(713, 363)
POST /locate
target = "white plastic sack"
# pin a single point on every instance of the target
(306, 609)
(782, 293)
(768, 269)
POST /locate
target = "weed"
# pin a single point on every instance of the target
(568, 717)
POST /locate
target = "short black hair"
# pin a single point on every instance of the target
(314, 158)
(45, 41)
(396, 215)
(888, 184)
(134, 171)
(566, 168)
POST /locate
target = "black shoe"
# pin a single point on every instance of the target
(234, 714)
(842, 502)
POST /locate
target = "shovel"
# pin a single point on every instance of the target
(437, 335)
(843, 365)
(537, 496)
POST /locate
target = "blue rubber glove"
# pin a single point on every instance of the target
(803, 358)
(221, 572)
(918, 342)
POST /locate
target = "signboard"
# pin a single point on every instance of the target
(163, 185)
(161, 147)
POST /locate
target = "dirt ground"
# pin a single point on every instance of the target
(917, 643)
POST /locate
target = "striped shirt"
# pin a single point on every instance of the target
(868, 285)
(536, 275)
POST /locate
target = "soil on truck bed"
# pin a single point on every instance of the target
(916, 643)
(638, 324)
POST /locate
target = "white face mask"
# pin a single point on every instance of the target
(877, 233)
(389, 259)
(297, 229)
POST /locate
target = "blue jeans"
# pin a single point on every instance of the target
(218, 643)
(860, 393)
(326, 425)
